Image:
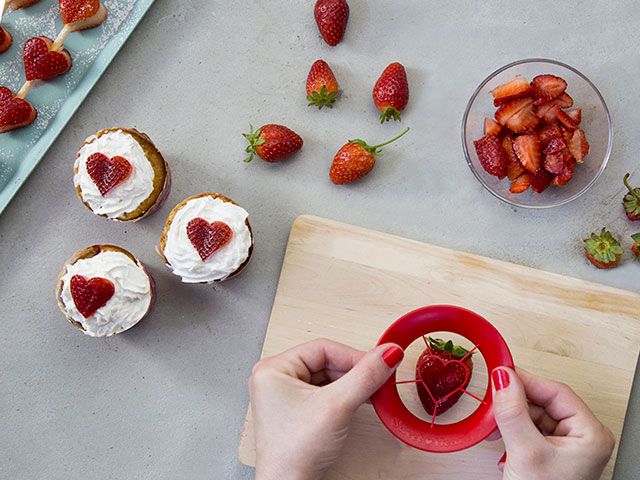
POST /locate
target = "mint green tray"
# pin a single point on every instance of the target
(57, 100)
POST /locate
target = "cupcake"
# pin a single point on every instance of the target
(206, 238)
(104, 290)
(120, 174)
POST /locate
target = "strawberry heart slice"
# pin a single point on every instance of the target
(208, 237)
(14, 112)
(440, 382)
(40, 63)
(107, 172)
(89, 294)
(76, 10)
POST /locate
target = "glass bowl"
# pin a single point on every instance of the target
(596, 123)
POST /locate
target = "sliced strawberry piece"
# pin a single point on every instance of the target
(207, 237)
(565, 119)
(578, 145)
(555, 146)
(567, 174)
(514, 167)
(540, 181)
(545, 110)
(90, 294)
(518, 87)
(528, 151)
(521, 184)
(554, 163)
(508, 110)
(564, 101)
(491, 127)
(547, 87)
(525, 121)
(548, 132)
(575, 115)
(492, 156)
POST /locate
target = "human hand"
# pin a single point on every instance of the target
(573, 444)
(303, 400)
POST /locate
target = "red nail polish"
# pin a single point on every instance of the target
(500, 378)
(503, 459)
(392, 356)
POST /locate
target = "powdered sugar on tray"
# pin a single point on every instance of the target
(43, 19)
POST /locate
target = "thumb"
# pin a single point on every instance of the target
(511, 410)
(368, 375)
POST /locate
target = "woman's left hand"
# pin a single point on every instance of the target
(303, 400)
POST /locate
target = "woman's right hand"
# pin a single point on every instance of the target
(573, 445)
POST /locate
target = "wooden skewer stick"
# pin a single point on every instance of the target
(24, 90)
(5, 5)
(59, 41)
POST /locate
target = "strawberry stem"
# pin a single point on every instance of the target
(374, 149)
(254, 141)
(392, 140)
(631, 190)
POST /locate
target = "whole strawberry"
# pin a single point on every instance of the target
(355, 159)
(331, 17)
(603, 250)
(391, 92)
(631, 201)
(635, 248)
(272, 143)
(322, 86)
(443, 371)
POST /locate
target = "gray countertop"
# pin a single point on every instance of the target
(167, 399)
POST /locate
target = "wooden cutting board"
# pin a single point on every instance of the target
(349, 284)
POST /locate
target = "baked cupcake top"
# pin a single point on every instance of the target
(106, 293)
(207, 240)
(113, 174)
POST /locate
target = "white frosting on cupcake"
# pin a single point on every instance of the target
(129, 303)
(182, 256)
(126, 196)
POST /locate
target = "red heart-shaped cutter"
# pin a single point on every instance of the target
(41, 63)
(14, 112)
(107, 172)
(89, 294)
(208, 237)
(76, 10)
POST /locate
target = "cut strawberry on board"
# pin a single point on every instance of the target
(107, 172)
(518, 87)
(14, 112)
(492, 156)
(207, 238)
(443, 372)
(42, 63)
(528, 151)
(90, 294)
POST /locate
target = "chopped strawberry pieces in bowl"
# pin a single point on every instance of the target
(537, 133)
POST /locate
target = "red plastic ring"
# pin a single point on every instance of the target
(419, 433)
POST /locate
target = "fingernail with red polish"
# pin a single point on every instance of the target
(503, 459)
(500, 378)
(392, 356)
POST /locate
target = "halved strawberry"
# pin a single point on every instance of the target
(508, 110)
(492, 156)
(528, 151)
(554, 162)
(575, 115)
(578, 146)
(491, 127)
(521, 184)
(514, 167)
(547, 87)
(548, 132)
(518, 87)
(540, 181)
(564, 118)
(567, 174)
(555, 146)
(564, 100)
